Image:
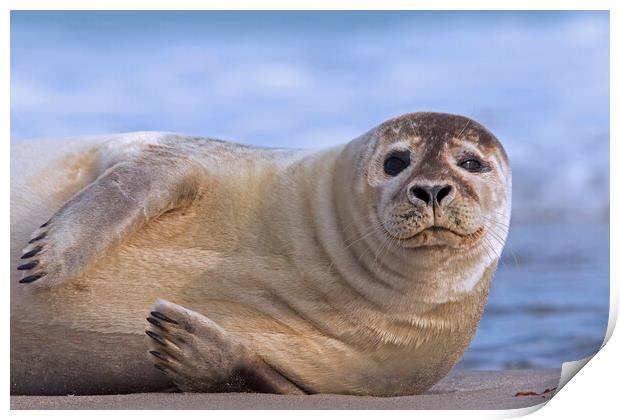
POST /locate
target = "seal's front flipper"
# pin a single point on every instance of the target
(199, 356)
(124, 198)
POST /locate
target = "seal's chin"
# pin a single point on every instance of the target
(439, 236)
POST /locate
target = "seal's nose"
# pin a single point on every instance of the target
(432, 195)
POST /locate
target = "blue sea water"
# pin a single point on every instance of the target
(549, 300)
(538, 80)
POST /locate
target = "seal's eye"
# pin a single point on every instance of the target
(472, 165)
(396, 163)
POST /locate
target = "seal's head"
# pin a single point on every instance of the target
(437, 180)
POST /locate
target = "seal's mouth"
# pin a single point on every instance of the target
(433, 236)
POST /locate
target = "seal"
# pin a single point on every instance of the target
(360, 269)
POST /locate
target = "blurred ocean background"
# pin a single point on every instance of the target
(538, 80)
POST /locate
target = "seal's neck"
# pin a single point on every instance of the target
(341, 270)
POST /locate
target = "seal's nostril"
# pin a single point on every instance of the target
(431, 195)
(442, 193)
(422, 194)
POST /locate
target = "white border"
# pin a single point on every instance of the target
(594, 391)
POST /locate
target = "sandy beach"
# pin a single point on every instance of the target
(461, 390)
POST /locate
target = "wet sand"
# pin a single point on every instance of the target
(460, 390)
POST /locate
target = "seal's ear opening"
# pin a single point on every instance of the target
(355, 159)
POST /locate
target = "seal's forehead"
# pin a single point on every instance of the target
(438, 128)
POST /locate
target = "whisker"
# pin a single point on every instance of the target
(367, 248)
(496, 236)
(493, 250)
(384, 244)
(490, 219)
(370, 231)
(507, 247)
(464, 128)
(363, 235)
(504, 244)
(366, 217)
(357, 236)
(485, 248)
(484, 216)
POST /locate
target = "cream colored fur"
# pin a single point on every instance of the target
(280, 248)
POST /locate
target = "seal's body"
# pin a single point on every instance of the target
(362, 269)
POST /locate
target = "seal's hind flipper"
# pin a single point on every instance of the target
(103, 214)
(199, 356)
